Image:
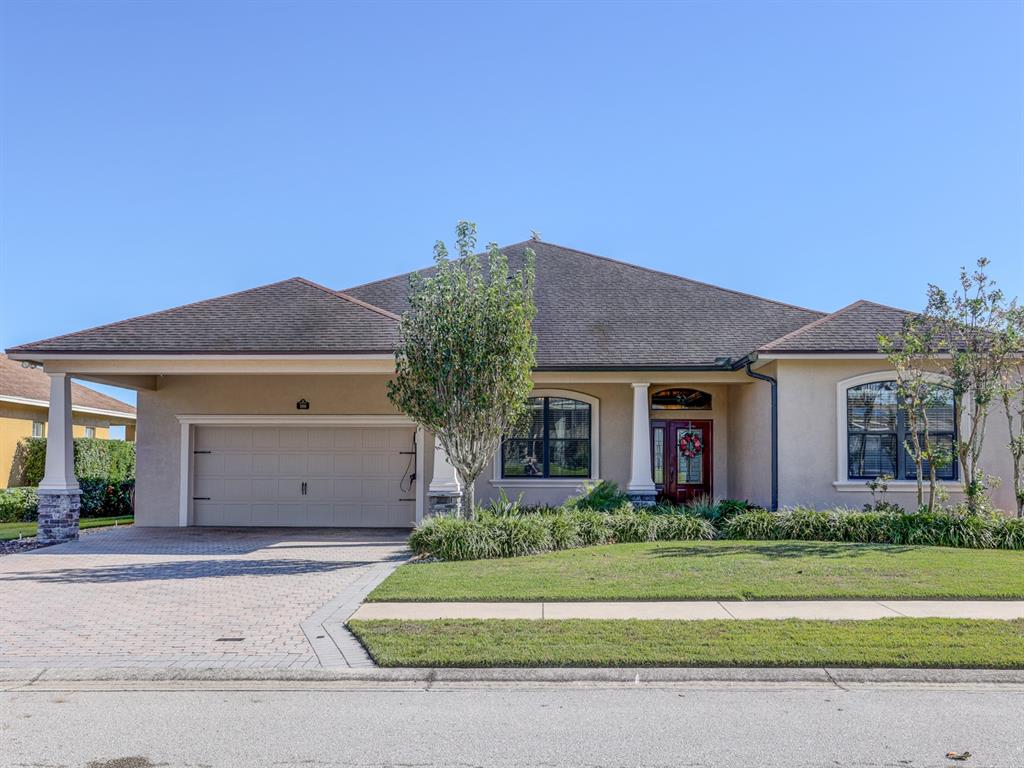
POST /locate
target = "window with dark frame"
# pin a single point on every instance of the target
(555, 441)
(680, 399)
(877, 437)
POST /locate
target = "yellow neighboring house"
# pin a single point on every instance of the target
(25, 404)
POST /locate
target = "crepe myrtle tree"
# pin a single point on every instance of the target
(1011, 391)
(911, 353)
(465, 353)
(972, 320)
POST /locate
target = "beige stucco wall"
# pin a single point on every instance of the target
(750, 442)
(159, 432)
(809, 438)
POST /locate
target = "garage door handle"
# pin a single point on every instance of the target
(200, 498)
(303, 488)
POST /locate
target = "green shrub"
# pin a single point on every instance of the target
(515, 536)
(18, 505)
(110, 459)
(105, 498)
(684, 526)
(451, 538)
(602, 497)
(628, 525)
(1010, 533)
(591, 527)
(753, 524)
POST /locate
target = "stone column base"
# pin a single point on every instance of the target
(58, 516)
(642, 499)
(444, 504)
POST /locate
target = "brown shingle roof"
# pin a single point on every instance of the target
(594, 312)
(853, 329)
(33, 384)
(293, 316)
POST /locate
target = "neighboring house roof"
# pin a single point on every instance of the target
(594, 312)
(293, 316)
(852, 329)
(30, 386)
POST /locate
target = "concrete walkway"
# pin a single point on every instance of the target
(696, 610)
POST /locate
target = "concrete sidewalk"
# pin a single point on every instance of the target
(697, 610)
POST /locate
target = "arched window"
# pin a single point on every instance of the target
(877, 438)
(680, 398)
(555, 441)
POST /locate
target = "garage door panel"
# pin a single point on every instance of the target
(375, 464)
(353, 476)
(294, 439)
(374, 438)
(294, 464)
(320, 463)
(237, 464)
(237, 489)
(266, 514)
(266, 439)
(266, 464)
(348, 464)
(264, 488)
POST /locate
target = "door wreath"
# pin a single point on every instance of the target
(690, 445)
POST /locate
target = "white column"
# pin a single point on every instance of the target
(445, 481)
(60, 450)
(641, 481)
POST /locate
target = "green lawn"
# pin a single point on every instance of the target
(894, 642)
(10, 531)
(718, 570)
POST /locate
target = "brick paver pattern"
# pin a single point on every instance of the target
(192, 597)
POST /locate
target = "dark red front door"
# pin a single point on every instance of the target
(682, 459)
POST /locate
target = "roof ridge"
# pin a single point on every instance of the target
(677, 277)
(352, 299)
(773, 344)
(153, 314)
(810, 325)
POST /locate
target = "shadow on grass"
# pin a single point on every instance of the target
(784, 549)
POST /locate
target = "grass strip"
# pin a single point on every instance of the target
(718, 570)
(11, 531)
(896, 642)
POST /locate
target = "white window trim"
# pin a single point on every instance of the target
(559, 482)
(842, 482)
(188, 423)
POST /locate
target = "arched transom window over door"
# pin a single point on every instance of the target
(877, 436)
(554, 442)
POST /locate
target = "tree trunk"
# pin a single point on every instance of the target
(468, 497)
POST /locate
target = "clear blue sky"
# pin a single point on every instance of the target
(159, 153)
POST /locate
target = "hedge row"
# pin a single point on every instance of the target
(100, 498)
(939, 528)
(110, 459)
(523, 532)
(529, 533)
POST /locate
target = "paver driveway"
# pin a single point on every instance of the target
(192, 597)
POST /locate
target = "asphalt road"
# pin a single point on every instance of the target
(315, 724)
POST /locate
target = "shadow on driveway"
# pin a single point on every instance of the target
(188, 569)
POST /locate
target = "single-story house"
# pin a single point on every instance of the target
(268, 406)
(24, 407)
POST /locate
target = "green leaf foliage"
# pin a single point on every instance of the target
(113, 460)
(466, 352)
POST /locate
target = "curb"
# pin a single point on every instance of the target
(26, 678)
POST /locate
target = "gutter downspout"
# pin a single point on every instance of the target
(775, 430)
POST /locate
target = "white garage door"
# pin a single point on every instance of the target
(311, 476)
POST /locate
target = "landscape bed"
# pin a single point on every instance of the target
(718, 570)
(896, 642)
